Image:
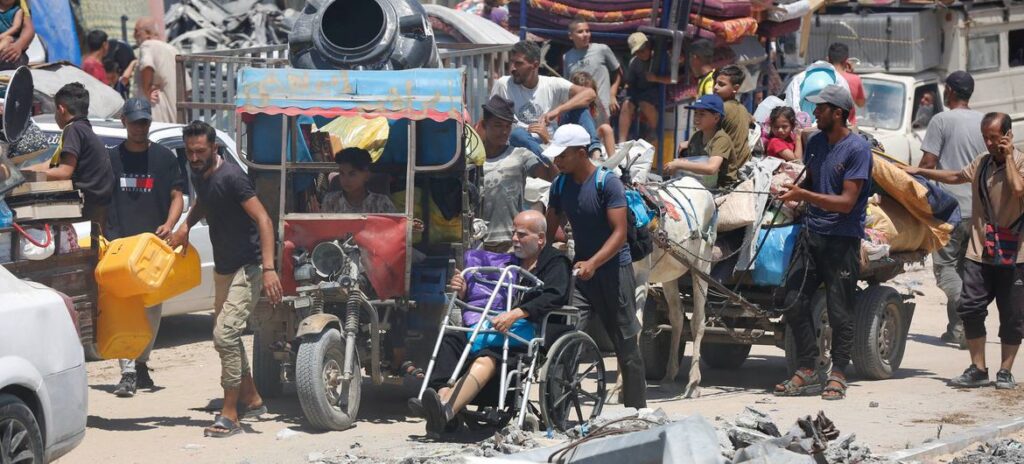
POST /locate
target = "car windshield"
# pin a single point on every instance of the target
(884, 105)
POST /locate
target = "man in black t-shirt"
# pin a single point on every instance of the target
(81, 156)
(147, 198)
(242, 236)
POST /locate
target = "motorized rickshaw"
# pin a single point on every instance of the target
(348, 278)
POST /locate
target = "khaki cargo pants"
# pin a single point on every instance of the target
(235, 297)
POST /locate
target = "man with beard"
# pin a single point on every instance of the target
(242, 236)
(441, 402)
(542, 103)
(836, 191)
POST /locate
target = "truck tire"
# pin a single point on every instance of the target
(17, 420)
(724, 355)
(266, 371)
(328, 401)
(879, 333)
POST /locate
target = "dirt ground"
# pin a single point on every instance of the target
(166, 425)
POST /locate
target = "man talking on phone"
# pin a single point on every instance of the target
(994, 265)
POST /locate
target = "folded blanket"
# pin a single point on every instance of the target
(572, 10)
(729, 30)
(721, 8)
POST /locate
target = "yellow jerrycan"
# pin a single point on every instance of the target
(134, 265)
(122, 330)
(183, 276)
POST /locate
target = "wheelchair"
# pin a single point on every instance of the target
(564, 363)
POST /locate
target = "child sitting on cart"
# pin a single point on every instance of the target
(355, 198)
(441, 401)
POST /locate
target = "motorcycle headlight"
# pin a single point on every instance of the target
(328, 258)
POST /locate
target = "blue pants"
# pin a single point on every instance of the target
(521, 138)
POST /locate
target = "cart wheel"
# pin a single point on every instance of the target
(572, 383)
(878, 340)
(328, 401)
(266, 371)
(724, 355)
(654, 345)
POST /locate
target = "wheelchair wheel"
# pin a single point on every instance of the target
(572, 382)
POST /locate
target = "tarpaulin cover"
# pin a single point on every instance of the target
(56, 27)
(381, 240)
(922, 202)
(415, 94)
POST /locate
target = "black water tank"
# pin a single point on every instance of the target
(362, 34)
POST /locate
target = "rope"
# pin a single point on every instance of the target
(49, 237)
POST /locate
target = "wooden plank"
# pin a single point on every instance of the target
(53, 186)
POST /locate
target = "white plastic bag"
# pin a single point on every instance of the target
(36, 244)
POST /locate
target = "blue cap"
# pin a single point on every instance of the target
(136, 109)
(710, 103)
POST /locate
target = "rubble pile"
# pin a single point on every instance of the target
(754, 437)
(202, 25)
(994, 452)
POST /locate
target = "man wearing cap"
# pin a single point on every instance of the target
(595, 204)
(708, 141)
(541, 103)
(839, 57)
(147, 198)
(505, 172)
(641, 89)
(952, 142)
(836, 189)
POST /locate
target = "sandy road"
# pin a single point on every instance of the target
(166, 425)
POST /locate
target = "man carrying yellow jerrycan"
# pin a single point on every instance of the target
(133, 272)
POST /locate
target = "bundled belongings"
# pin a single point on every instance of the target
(922, 213)
(201, 25)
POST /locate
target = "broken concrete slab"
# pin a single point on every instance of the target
(691, 440)
(958, 442)
(753, 419)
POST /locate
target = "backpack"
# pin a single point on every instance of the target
(638, 238)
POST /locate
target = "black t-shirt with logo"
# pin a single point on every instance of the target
(93, 174)
(142, 190)
(233, 233)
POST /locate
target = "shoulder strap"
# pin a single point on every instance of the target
(599, 178)
(983, 190)
(557, 184)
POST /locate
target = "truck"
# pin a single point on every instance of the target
(906, 52)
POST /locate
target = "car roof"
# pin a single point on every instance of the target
(101, 124)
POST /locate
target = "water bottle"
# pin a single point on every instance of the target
(6, 216)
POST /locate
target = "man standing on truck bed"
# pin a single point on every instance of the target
(952, 142)
(81, 156)
(242, 236)
(994, 264)
(147, 198)
(836, 191)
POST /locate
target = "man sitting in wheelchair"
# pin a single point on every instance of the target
(441, 401)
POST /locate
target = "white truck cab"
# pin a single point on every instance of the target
(987, 42)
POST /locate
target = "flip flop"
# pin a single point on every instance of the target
(433, 411)
(253, 413)
(410, 370)
(229, 428)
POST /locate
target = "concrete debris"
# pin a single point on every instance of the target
(201, 25)
(508, 440)
(873, 404)
(743, 437)
(846, 450)
(993, 452)
(753, 419)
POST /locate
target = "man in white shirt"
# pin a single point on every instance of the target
(542, 103)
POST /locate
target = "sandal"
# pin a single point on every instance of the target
(409, 369)
(253, 412)
(222, 428)
(832, 392)
(810, 386)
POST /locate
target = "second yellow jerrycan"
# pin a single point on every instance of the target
(184, 276)
(122, 330)
(134, 265)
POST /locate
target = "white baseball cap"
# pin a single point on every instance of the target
(567, 136)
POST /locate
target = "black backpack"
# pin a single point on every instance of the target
(639, 239)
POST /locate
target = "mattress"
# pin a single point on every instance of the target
(771, 29)
(542, 19)
(571, 10)
(729, 30)
(473, 28)
(721, 8)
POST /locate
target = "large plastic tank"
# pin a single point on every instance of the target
(363, 34)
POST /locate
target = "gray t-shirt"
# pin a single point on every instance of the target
(502, 195)
(597, 60)
(531, 104)
(955, 137)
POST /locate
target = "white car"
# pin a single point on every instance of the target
(43, 385)
(112, 133)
